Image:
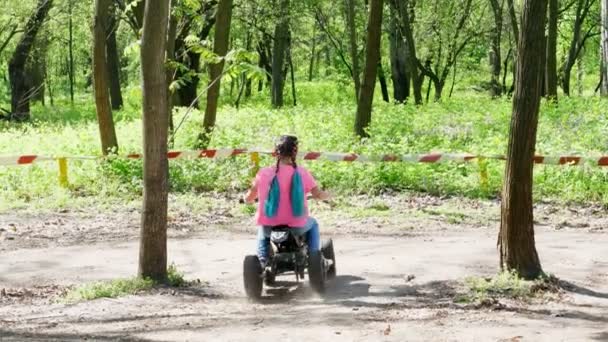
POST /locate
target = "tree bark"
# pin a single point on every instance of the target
(412, 58)
(352, 35)
(516, 237)
(495, 56)
(113, 63)
(383, 85)
(604, 49)
(313, 52)
(372, 56)
(220, 48)
(153, 241)
(100, 77)
(171, 38)
(281, 42)
(71, 50)
(19, 79)
(398, 54)
(576, 43)
(551, 71)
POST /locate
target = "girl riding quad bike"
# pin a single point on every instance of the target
(288, 238)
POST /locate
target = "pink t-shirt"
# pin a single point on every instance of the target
(284, 214)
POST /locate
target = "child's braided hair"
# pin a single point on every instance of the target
(286, 146)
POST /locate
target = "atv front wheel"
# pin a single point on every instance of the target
(252, 277)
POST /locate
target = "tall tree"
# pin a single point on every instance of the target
(71, 49)
(516, 237)
(19, 79)
(372, 56)
(495, 56)
(577, 41)
(352, 37)
(101, 23)
(398, 55)
(406, 21)
(279, 52)
(220, 48)
(113, 61)
(153, 241)
(604, 49)
(551, 71)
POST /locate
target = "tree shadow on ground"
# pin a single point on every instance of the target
(571, 287)
(10, 336)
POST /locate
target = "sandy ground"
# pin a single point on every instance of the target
(398, 275)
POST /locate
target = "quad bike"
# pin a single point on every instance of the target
(289, 253)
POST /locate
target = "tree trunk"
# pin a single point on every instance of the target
(153, 241)
(495, 56)
(438, 90)
(281, 42)
(313, 51)
(220, 47)
(398, 54)
(171, 40)
(293, 78)
(604, 49)
(19, 80)
(383, 85)
(100, 77)
(551, 71)
(514, 25)
(411, 57)
(372, 56)
(576, 44)
(352, 34)
(516, 237)
(113, 63)
(580, 71)
(71, 50)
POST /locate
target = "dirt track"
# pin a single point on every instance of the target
(371, 293)
(380, 245)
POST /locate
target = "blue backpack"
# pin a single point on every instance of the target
(296, 193)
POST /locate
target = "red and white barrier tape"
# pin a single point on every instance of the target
(328, 156)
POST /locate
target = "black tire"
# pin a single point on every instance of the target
(328, 253)
(252, 277)
(316, 272)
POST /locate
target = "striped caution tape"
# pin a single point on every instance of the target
(327, 156)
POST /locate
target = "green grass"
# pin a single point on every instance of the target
(122, 287)
(323, 120)
(506, 285)
(108, 289)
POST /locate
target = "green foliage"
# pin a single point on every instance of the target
(506, 285)
(175, 278)
(108, 289)
(323, 122)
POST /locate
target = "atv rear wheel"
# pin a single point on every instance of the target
(252, 277)
(316, 271)
(328, 254)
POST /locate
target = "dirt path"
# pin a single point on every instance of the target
(371, 294)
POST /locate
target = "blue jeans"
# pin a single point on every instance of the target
(311, 229)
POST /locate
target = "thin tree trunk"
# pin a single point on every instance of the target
(19, 80)
(293, 79)
(352, 34)
(220, 48)
(412, 58)
(514, 25)
(604, 50)
(100, 77)
(495, 56)
(575, 44)
(281, 42)
(311, 65)
(71, 50)
(153, 241)
(580, 71)
(551, 71)
(113, 63)
(372, 56)
(516, 237)
(383, 85)
(398, 55)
